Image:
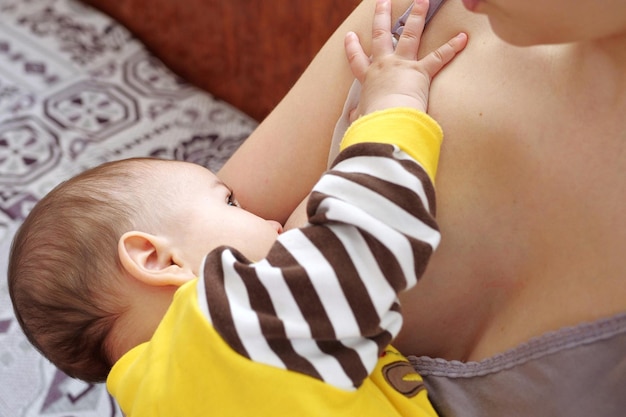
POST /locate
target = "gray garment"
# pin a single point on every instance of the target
(432, 9)
(575, 372)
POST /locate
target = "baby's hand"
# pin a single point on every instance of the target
(397, 78)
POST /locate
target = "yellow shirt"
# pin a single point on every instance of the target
(187, 370)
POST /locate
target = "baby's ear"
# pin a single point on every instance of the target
(148, 258)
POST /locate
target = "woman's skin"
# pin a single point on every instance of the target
(530, 184)
(295, 138)
(531, 180)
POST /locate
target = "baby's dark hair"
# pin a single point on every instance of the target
(64, 271)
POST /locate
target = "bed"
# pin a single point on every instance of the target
(76, 90)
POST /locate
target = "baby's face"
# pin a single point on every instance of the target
(531, 22)
(202, 214)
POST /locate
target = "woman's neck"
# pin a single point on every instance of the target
(601, 64)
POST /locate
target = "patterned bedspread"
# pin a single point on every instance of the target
(76, 90)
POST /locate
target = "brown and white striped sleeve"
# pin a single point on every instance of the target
(324, 301)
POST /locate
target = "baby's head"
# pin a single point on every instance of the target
(95, 264)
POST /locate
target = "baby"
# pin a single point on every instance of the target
(110, 277)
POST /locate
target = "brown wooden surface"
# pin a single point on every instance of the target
(246, 52)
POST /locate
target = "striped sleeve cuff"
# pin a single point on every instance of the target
(415, 132)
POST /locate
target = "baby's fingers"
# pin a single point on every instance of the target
(382, 43)
(357, 59)
(411, 36)
(436, 60)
